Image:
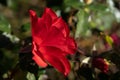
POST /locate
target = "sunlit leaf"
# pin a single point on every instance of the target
(102, 20)
(86, 60)
(30, 76)
(13, 38)
(109, 40)
(113, 9)
(43, 77)
(82, 24)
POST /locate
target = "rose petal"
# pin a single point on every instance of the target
(49, 12)
(56, 39)
(71, 46)
(33, 17)
(39, 60)
(53, 56)
(62, 26)
(38, 57)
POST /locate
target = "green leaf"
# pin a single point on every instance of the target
(98, 7)
(25, 27)
(73, 3)
(4, 25)
(30, 76)
(109, 40)
(102, 20)
(82, 24)
(106, 20)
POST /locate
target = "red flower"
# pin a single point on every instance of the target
(51, 41)
(116, 39)
(100, 64)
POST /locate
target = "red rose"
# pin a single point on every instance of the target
(100, 64)
(116, 39)
(51, 41)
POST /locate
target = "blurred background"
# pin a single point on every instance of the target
(92, 23)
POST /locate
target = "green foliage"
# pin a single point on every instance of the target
(98, 7)
(4, 24)
(82, 24)
(25, 27)
(74, 4)
(93, 16)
